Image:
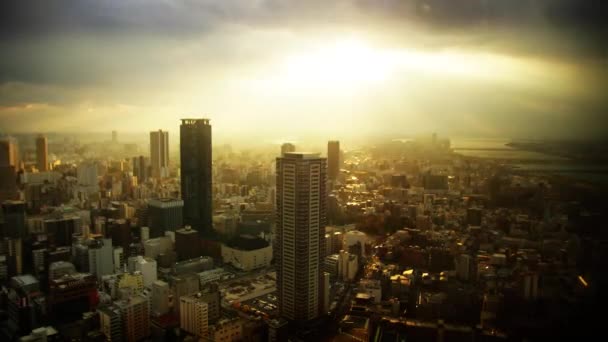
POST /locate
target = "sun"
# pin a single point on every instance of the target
(343, 63)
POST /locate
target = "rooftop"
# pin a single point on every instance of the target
(247, 243)
(195, 121)
(301, 155)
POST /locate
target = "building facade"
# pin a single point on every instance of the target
(333, 159)
(159, 154)
(193, 315)
(42, 151)
(247, 253)
(187, 244)
(165, 214)
(195, 153)
(299, 244)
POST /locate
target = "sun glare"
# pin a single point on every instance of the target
(343, 63)
(351, 63)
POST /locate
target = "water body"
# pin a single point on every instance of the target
(529, 160)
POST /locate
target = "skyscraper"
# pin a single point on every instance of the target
(14, 219)
(9, 165)
(159, 153)
(195, 153)
(301, 215)
(9, 153)
(41, 153)
(140, 169)
(333, 159)
(287, 147)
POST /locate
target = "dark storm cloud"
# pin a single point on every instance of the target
(35, 17)
(573, 27)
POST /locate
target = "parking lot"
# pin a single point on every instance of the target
(267, 303)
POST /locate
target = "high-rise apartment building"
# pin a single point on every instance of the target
(135, 315)
(333, 159)
(301, 216)
(193, 315)
(287, 147)
(159, 153)
(110, 323)
(195, 153)
(42, 151)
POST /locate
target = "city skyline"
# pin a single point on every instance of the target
(283, 170)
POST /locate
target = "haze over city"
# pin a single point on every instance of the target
(324, 171)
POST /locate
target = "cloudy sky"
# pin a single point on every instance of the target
(275, 68)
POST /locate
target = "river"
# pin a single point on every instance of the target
(530, 160)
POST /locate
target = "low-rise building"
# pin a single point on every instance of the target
(247, 252)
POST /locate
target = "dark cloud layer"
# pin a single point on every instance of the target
(35, 17)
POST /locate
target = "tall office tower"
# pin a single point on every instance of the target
(42, 151)
(300, 244)
(140, 169)
(135, 315)
(187, 244)
(9, 153)
(101, 257)
(14, 219)
(333, 159)
(195, 153)
(114, 136)
(159, 153)
(160, 298)
(165, 214)
(9, 165)
(287, 147)
(193, 315)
